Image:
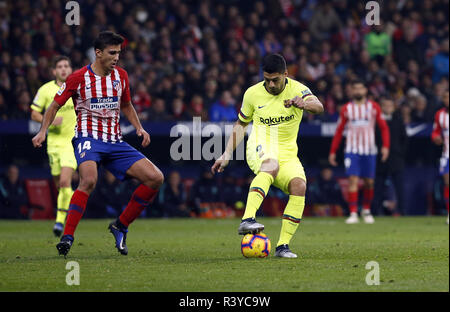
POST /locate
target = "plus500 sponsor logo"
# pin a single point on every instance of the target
(105, 103)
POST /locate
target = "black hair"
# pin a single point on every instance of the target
(60, 58)
(274, 63)
(357, 81)
(106, 38)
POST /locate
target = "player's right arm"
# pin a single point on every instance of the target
(245, 116)
(67, 90)
(48, 118)
(337, 137)
(235, 139)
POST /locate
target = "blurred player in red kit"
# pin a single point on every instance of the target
(360, 116)
(440, 136)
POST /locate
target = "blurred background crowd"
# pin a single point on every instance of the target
(196, 58)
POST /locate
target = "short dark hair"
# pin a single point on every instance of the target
(357, 81)
(274, 63)
(60, 58)
(106, 38)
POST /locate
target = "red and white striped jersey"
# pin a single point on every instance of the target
(97, 102)
(360, 120)
(440, 128)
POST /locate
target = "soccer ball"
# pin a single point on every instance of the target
(255, 245)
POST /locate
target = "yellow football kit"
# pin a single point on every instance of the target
(274, 136)
(59, 142)
(59, 139)
(275, 129)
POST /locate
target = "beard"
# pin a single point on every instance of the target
(358, 97)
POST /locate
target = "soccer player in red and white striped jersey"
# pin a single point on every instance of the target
(360, 116)
(440, 137)
(99, 92)
(96, 102)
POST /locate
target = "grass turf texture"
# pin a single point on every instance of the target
(204, 255)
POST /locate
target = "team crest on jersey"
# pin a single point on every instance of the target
(306, 92)
(116, 85)
(61, 90)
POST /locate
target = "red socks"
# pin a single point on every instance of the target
(76, 210)
(141, 198)
(353, 201)
(446, 196)
(367, 198)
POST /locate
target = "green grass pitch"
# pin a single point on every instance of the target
(204, 255)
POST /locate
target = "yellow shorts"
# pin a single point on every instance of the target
(60, 157)
(288, 169)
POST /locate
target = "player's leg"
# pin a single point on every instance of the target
(352, 199)
(88, 180)
(258, 190)
(445, 178)
(368, 167)
(55, 169)
(352, 164)
(368, 192)
(64, 195)
(58, 227)
(292, 216)
(151, 179)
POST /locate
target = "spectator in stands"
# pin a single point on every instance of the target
(172, 197)
(205, 194)
(223, 109)
(158, 111)
(441, 62)
(196, 108)
(420, 110)
(231, 192)
(179, 110)
(392, 170)
(378, 43)
(107, 200)
(13, 197)
(325, 22)
(407, 48)
(325, 194)
(142, 101)
(3, 108)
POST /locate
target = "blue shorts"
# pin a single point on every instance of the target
(443, 168)
(363, 166)
(117, 157)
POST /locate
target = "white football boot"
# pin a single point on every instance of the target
(353, 219)
(367, 217)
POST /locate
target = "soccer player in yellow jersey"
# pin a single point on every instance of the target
(59, 145)
(275, 106)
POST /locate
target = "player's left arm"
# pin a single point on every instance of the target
(307, 101)
(130, 113)
(436, 136)
(385, 134)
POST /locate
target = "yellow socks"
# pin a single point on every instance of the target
(291, 218)
(258, 191)
(64, 196)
